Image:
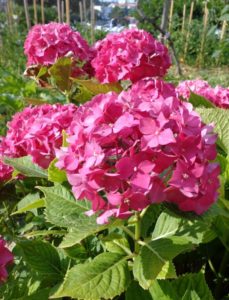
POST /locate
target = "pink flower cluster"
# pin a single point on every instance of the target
(218, 95)
(140, 147)
(6, 257)
(36, 131)
(132, 55)
(46, 43)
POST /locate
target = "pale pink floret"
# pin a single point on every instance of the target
(46, 43)
(132, 55)
(6, 258)
(140, 147)
(37, 131)
(218, 95)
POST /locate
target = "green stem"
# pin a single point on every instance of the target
(222, 269)
(128, 231)
(137, 234)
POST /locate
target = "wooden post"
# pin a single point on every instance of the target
(188, 31)
(92, 22)
(9, 12)
(59, 11)
(85, 10)
(171, 15)
(27, 14)
(81, 12)
(67, 3)
(165, 17)
(223, 30)
(205, 22)
(62, 11)
(42, 12)
(35, 11)
(183, 19)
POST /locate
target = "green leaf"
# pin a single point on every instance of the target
(199, 101)
(220, 119)
(83, 228)
(44, 233)
(168, 271)
(149, 218)
(154, 255)
(55, 174)
(27, 200)
(77, 252)
(105, 277)
(188, 287)
(61, 72)
(36, 204)
(95, 87)
(193, 230)
(42, 294)
(63, 210)
(139, 273)
(117, 243)
(42, 258)
(25, 166)
(224, 18)
(221, 228)
(135, 292)
(61, 207)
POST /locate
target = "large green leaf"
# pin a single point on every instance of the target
(220, 118)
(25, 166)
(61, 72)
(63, 210)
(194, 230)
(105, 277)
(42, 258)
(188, 287)
(199, 101)
(154, 257)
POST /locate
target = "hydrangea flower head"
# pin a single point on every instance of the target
(132, 55)
(218, 95)
(6, 257)
(37, 131)
(140, 147)
(46, 43)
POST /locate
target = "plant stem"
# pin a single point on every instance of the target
(137, 232)
(129, 232)
(222, 268)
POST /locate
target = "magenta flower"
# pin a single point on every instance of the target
(130, 55)
(37, 131)
(218, 95)
(140, 147)
(6, 257)
(46, 43)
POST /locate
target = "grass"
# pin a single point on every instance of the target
(215, 76)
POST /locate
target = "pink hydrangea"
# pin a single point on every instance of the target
(140, 147)
(37, 131)
(132, 55)
(6, 257)
(218, 95)
(46, 43)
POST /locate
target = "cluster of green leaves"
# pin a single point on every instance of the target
(64, 253)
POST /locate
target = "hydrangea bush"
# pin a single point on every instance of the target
(113, 197)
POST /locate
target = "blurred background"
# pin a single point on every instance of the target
(196, 33)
